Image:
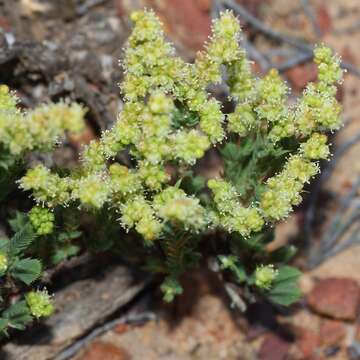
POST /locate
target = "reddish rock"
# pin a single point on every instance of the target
(121, 328)
(274, 348)
(186, 22)
(337, 298)
(82, 138)
(299, 76)
(204, 5)
(324, 19)
(348, 55)
(308, 342)
(105, 351)
(120, 8)
(332, 332)
(4, 23)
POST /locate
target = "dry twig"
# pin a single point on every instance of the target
(311, 16)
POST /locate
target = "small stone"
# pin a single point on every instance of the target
(105, 351)
(337, 298)
(332, 332)
(357, 333)
(274, 348)
(203, 5)
(306, 283)
(308, 342)
(299, 76)
(184, 21)
(324, 19)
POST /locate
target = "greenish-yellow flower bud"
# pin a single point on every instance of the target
(264, 276)
(40, 303)
(42, 220)
(3, 261)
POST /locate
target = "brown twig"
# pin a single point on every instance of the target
(325, 175)
(311, 16)
(298, 59)
(85, 7)
(126, 319)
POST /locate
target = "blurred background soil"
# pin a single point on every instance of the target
(71, 48)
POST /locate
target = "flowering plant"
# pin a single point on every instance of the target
(20, 264)
(169, 121)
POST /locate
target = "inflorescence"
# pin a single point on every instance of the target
(38, 129)
(159, 89)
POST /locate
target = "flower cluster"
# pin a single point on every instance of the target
(156, 83)
(40, 303)
(232, 215)
(169, 121)
(47, 187)
(316, 147)
(42, 220)
(264, 276)
(37, 129)
(174, 205)
(137, 212)
(283, 191)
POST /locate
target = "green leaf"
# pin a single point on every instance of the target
(4, 243)
(288, 273)
(26, 270)
(286, 295)
(18, 315)
(19, 221)
(68, 235)
(182, 116)
(283, 254)
(254, 243)
(63, 253)
(284, 290)
(21, 240)
(231, 263)
(191, 183)
(4, 323)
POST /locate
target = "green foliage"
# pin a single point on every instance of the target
(279, 285)
(16, 269)
(26, 270)
(64, 248)
(171, 287)
(17, 316)
(19, 270)
(21, 240)
(21, 255)
(284, 290)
